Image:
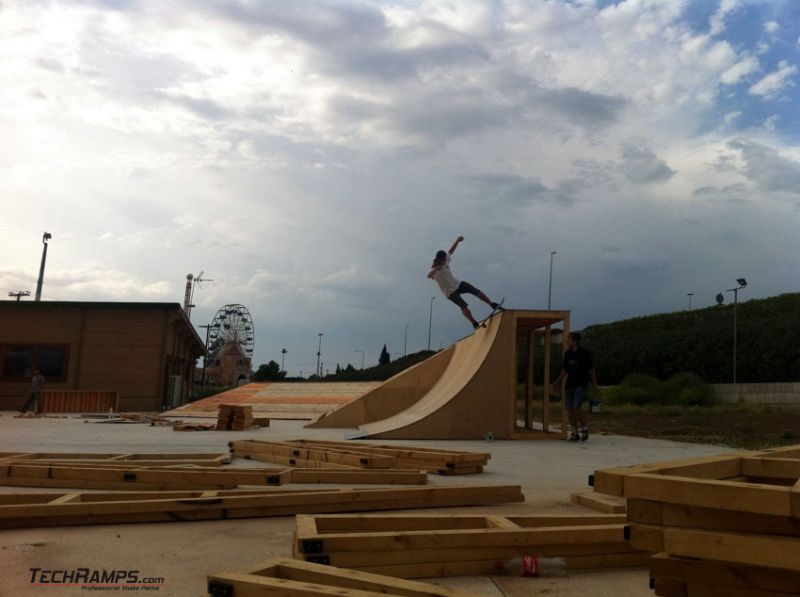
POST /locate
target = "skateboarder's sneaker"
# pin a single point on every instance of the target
(573, 437)
(584, 434)
(498, 306)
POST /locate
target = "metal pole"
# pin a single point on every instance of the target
(430, 323)
(690, 295)
(319, 354)
(735, 302)
(283, 355)
(45, 237)
(362, 357)
(405, 341)
(205, 358)
(550, 285)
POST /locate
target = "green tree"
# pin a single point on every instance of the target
(269, 372)
(384, 359)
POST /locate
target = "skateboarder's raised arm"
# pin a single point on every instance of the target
(455, 245)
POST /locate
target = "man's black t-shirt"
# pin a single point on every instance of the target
(578, 364)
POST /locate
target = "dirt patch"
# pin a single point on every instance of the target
(747, 426)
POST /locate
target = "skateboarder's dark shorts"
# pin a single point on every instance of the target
(463, 288)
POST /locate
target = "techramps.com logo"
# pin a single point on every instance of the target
(89, 579)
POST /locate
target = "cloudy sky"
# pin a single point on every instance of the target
(311, 157)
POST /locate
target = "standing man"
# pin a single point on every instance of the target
(579, 371)
(36, 392)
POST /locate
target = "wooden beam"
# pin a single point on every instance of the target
(293, 578)
(20, 511)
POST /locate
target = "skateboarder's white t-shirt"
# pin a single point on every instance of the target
(445, 279)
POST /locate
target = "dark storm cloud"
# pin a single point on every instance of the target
(580, 107)
(767, 168)
(511, 190)
(640, 165)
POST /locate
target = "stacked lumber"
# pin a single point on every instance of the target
(292, 578)
(233, 417)
(132, 477)
(94, 459)
(21, 510)
(720, 525)
(335, 454)
(436, 546)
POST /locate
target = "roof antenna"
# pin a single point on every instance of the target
(191, 282)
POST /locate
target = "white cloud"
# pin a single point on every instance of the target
(771, 121)
(771, 27)
(740, 70)
(717, 20)
(775, 82)
(731, 116)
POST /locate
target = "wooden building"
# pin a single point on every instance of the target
(144, 352)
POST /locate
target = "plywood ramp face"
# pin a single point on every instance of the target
(397, 394)
(471, 397)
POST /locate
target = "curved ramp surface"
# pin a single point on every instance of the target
(470, 398)
(395, 395)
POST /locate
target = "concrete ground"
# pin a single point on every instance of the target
(184, 553)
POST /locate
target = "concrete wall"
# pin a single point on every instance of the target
(762, 393)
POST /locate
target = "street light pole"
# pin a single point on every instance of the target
(45, 237)
(430, 323)
(550, 285)
(283, 355)
(319, 354)
(690, 295)
(742, 284)
(362, 357)
(405, 341)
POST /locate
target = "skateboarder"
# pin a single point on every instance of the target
(453, 288)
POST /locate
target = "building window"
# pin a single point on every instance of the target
(20, 361)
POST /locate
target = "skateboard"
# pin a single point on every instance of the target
(495, 311)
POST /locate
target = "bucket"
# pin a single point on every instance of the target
(594, 406)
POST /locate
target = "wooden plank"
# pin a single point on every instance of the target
(486, 537)
(737, 548)
(291, 578)
(610, 481)
(402, 556)
(375, 476)
(740, 548)
(709, 493)
(290, 460)
(609, 504)
(779, 468)
(679, 515)
(720, 574)
(332, 455)
(493, 566)
(100, 508)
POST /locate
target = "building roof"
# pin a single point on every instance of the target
(104, 305)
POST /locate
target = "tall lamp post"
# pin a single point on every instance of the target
(550, 285)
(205, 356)
(45, 237)
(283, 355)
(742, 284)
(690, 295)
(405, 341)
(430, 323)
(362, 357)
(319, 355)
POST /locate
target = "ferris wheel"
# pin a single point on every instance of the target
(232, 325)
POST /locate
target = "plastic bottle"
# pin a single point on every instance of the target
(529, 565)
